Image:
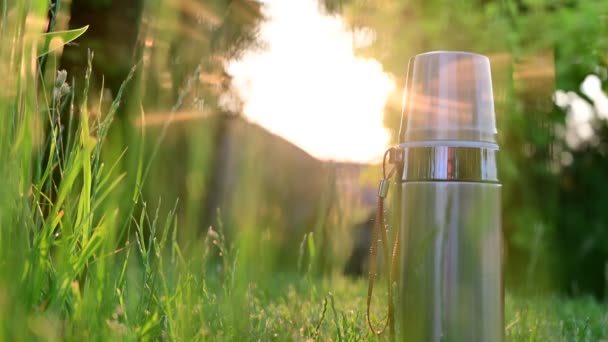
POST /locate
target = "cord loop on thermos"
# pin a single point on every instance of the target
(395, 156)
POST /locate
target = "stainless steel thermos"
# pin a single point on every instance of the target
(450, 283)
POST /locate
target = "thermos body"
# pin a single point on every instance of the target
(450, 287)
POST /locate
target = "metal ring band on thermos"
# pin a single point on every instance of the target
(450, 163)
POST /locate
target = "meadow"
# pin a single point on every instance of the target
(84, 255)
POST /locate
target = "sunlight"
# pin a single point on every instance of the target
(308, 86)
(581, 113)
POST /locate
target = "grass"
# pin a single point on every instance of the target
(555, 319)
(84, 256)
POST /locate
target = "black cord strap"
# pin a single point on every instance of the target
(373, 252)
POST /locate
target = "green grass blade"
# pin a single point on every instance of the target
(52, 41)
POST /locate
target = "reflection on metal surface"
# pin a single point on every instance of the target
(451, 285)
(445, 163)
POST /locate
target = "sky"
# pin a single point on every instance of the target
(581, 113)
(308, 86)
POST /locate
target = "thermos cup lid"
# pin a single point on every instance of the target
(448, 97)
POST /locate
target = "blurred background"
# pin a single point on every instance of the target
(274, 115)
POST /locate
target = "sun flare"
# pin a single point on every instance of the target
(309, 87)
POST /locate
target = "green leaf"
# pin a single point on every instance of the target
(63, 38)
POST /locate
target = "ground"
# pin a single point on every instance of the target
(334, 309)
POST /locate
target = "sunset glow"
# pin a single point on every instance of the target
(308, 86)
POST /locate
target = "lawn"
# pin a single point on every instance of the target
(283, 307)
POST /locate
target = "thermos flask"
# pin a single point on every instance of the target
(450, 281)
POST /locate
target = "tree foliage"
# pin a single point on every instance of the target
(553, 212)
